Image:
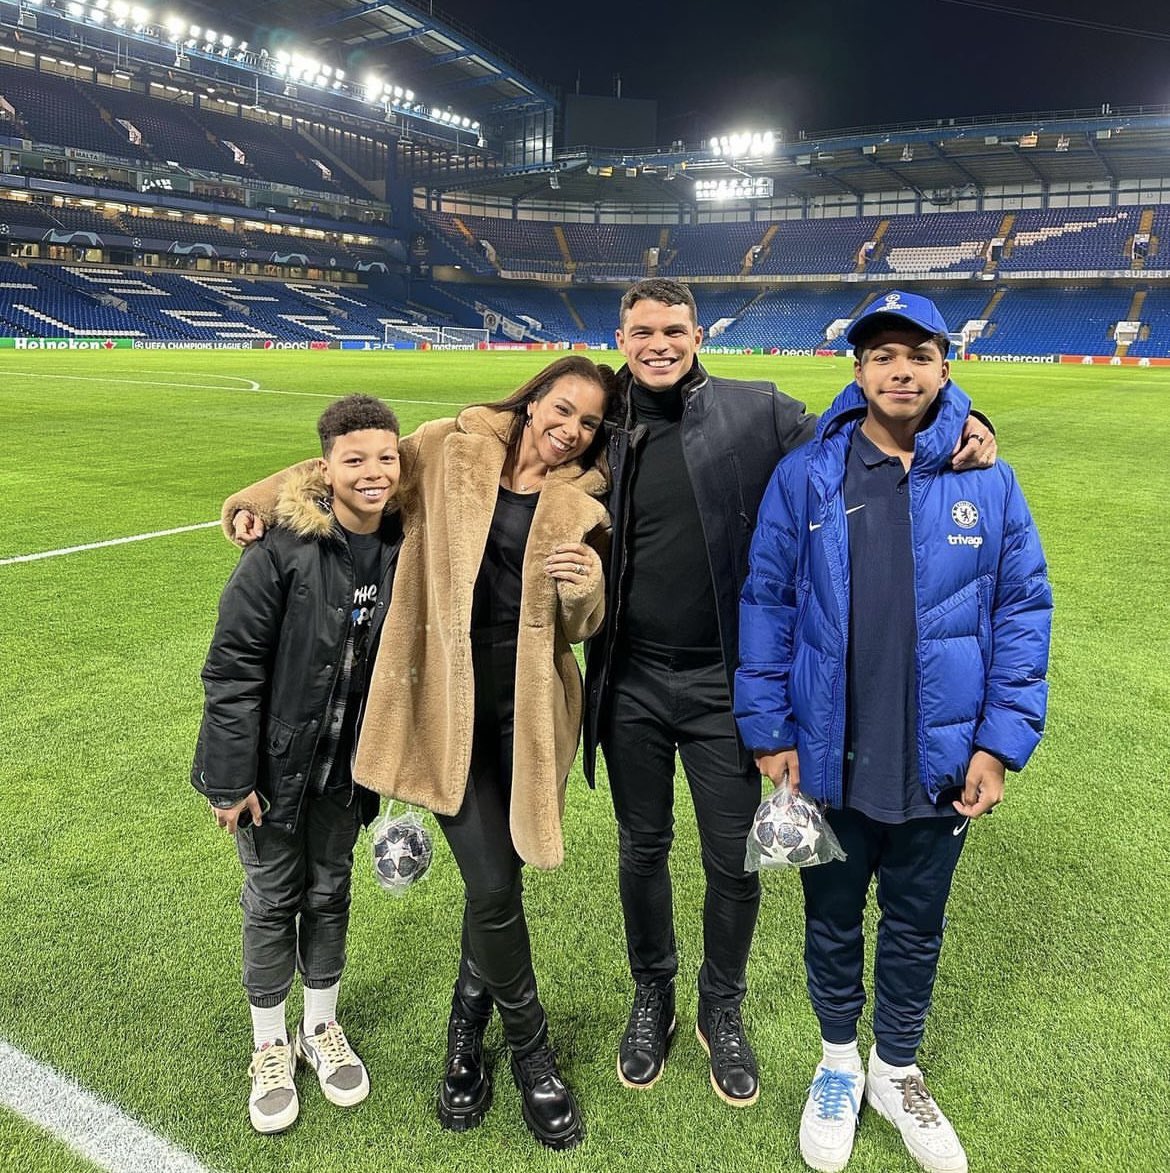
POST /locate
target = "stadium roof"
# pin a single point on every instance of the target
(408, 44)
(942, 162)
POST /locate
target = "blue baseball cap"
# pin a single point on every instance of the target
(899, 308)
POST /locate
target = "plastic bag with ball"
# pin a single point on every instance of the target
(789, 831)
(402, 851)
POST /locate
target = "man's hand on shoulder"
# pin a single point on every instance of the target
(247, 527)
(976, 447)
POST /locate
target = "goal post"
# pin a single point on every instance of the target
(464, 336)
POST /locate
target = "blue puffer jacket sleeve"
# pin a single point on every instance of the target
(1012, 719)
(767, 617)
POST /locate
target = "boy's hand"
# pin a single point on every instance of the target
(984, 788)
(781, 767)
(246, 527)
(976, 447)
(229, 818)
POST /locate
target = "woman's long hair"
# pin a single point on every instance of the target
(542, 383)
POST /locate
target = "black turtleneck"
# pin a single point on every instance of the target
(670, 602)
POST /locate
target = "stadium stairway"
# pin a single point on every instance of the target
(1006, 225)
(660, 256)
(563, 245)
(992, 302)
(760, 250)
(1133, 314)
(864, 259)
(578, 321)
(1145, 225)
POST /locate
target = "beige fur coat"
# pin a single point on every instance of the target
(415, 742)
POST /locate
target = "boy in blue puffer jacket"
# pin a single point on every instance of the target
(894, 632)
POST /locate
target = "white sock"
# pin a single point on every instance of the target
(320, 1007)
(840, 1056)
(880, 1067)
(268, 1025)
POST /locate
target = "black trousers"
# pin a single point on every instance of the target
(660, 704)
(495, 945)
(914, 863)
(296, 896)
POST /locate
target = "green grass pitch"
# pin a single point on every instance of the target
(1049, 1042)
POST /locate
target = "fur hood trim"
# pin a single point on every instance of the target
(303, 505)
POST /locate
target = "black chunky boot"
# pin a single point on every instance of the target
(549, 1109)
(465, 1091)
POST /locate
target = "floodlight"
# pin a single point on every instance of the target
(341, 75)
(76, 9)
(174, 26)
(410, 95)
(139, 14)
(327, 70)
(243, 48)
(120, 9)
(373, 85)
(210, 37)
(475, 126)
(467, 122)
(226, 41)
(398, 91)
(194, 31)
(282, 57)
(97, 15)
(102, 5)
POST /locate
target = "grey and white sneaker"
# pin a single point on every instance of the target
(273, 1103)
(828, 1123)
(899, 1094)
(341, 1073)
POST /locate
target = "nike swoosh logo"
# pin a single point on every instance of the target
(814, 525)
(853, 510)
(960, 828)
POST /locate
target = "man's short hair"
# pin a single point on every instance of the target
(661, 290)
(354, 413)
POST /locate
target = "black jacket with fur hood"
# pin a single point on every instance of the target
(277, 651)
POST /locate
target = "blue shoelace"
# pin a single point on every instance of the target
(833, 1089)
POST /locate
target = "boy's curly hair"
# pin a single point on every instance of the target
(354, 413)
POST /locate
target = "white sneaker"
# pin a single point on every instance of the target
(899, 1094)
(341, 1073)
(273, 1103)
(829, 1120)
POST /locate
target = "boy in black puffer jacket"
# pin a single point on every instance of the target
(284, 681)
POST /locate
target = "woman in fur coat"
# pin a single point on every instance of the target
(500, 573)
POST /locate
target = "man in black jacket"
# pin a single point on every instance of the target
(690, 456)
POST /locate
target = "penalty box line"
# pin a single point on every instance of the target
(99, 1131)
(160, 533)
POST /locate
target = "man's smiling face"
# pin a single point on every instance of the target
(659, 342)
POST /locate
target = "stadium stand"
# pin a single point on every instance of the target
(1055, 321)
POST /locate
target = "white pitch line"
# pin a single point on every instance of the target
(97, 1130)
(159, 533)
(253, 386)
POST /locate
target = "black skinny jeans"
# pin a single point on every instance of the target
(659, 704)
(495, 933)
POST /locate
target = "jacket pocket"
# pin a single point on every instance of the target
(278, 739)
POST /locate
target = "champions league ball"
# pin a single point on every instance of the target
(790, 832)
(402, 853)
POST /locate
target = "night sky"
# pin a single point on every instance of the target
(715, 66)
